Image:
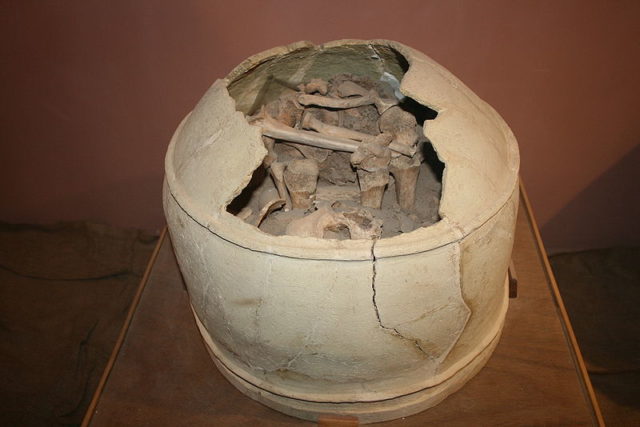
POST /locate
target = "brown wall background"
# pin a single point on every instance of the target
(92, 91)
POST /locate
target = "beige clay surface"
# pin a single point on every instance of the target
(308, 325)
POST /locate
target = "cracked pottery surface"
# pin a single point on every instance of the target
(373, 328)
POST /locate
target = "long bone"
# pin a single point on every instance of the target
(276, 170)
(348, 89)
(372, 163)
(405, 171)
(402, 125)
(370, 97)
(277, 130)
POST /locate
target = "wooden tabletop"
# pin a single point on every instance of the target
(161, 374)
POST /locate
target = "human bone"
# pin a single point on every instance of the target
(405, 170)
(301, 178)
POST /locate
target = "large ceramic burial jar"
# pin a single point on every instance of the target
(376, 329)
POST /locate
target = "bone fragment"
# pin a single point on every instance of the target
(314, 224)
(405, 171)
(338, 103)
(267, 208)
(284, 109)
(372, 186)
(382, 104)
(374, 154)
(372, 160)
(360, 224)
(315, 85)
(277, 130)
(277, 174)
(301, 177)
(401, 124)
(377, 146)
(349, 89)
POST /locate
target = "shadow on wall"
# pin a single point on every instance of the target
(603, 214)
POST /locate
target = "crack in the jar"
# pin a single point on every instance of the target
(392, 330)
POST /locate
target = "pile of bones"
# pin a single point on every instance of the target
(334, 147)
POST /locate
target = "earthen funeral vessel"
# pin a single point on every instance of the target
(367, 324)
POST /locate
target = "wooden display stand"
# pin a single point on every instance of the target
(161, 374)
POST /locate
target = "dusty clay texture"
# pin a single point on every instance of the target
(378, 328)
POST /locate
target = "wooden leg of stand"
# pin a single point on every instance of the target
(513, 281)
